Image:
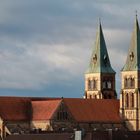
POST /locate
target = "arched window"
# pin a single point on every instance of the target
(89, 85)
(132, 100)
(109, 84)
(95, 97)
(127, 100)
(94, 84)
(125, 83)
(132, 82)
(129, 83)
(90, 96)
(104, 84)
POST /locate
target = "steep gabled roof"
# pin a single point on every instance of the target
(94, 110)
(99, 62)
(133, 58)
(44, 110)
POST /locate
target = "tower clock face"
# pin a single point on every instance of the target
(131, 56)
(94, 58)
(105, 59)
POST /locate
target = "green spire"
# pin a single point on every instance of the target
(99, 62)
(133, 58)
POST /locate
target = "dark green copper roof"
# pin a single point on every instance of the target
(133, 58)
(99, 62)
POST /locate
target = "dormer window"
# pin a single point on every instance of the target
(131, 56)
(94, 58)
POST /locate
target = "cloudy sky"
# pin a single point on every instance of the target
(45, 45)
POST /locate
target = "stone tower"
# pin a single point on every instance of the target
(130, 75)
(100, 77)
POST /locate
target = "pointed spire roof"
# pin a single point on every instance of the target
(133, 58)
(99, 62)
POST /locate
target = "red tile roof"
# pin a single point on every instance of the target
(18, 108)
(83, 110)
(43, 110)
(14, 108)
(94, 110)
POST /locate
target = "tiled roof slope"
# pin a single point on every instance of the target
(18, 108)
(82, 110)
(94, 110)
(43, 110)
(14, 108)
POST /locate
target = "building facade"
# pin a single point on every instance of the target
(130, 75)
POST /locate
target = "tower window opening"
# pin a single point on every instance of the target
(89, 85)
(127, 100)
(125, 82)
(129, 82)
(132, 100)
(92, 84)
(107, 85)
(132, 82)
(104, 85)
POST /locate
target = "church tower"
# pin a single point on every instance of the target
(130, 75)
(100, 77)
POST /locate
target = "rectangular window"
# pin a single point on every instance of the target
(62, 115)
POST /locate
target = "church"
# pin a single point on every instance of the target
(98, 110)
(100, 78)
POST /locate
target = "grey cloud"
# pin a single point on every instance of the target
(46, 41)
